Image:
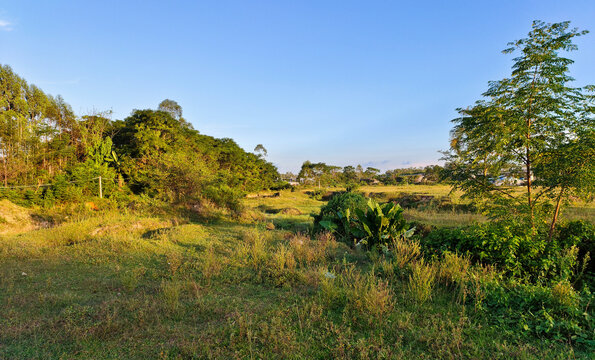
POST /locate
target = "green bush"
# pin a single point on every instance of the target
(338, 204)
(557, 312)
(226, 197)
(375, 228)
(317, 194)
(510, 247)
(379, 225)
(582, 235)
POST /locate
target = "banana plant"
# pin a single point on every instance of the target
(380, 224)
(343, 229)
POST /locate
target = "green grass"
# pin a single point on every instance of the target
(136, 287)
(578, 210)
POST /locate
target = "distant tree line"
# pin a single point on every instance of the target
(330, 175)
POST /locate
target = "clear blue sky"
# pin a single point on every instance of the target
(345, 82)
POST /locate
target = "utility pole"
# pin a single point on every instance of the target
(100, 189)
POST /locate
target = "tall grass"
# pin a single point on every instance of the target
(421, 281)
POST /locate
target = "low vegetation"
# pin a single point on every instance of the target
(127, 285)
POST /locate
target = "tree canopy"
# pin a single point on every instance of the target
(530, 126)
(152, 152)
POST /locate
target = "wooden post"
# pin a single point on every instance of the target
(100, 189)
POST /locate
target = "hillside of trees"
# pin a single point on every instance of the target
(153, 152)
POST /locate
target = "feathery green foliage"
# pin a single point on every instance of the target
(531, 126)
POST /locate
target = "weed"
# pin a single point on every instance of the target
(405, 252)
(282, 266)
(253, 249)
(174, 261)
(421, 281)
(170, 291)
(453, 268)
(564, 294)
(211, 265)
(131, 278)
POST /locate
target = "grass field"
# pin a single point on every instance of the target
(443, 217)
(124, 286)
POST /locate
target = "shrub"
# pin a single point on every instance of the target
(282, 266)
(453, 268)
(338, 204)
(226, 197)
(307, 251)
(556, 312)
(511, 247)
(317, 194)
(368, 298)
(380, 224)
(362, 295)
(564, 294)
(580, 234)
(253, 250)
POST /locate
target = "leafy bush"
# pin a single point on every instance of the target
(511, 247)
(317, 194)
(339, 204)
(380, 224)
(557, 311)
(281, 185)
(225, 196)
(582, 235)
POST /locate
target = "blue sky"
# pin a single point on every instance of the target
(345, 82)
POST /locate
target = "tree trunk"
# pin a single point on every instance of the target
(556, 213)
(527, 147)
(5, 172)
(528, 175)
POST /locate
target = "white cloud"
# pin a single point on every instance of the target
(5, 25)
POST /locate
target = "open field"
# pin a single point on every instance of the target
(137, 287)
(432, 216)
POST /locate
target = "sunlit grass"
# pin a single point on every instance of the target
(127, 286)
(131, 286)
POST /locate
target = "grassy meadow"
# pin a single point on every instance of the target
(119, 285)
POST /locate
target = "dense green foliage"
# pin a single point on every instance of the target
(330, 213)
(557, 311)
(39, 133)
(151, 152)
(161, 156)
(362, 223)
(352, 176)
(379, 225)
(518, 250)
(532, 128)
